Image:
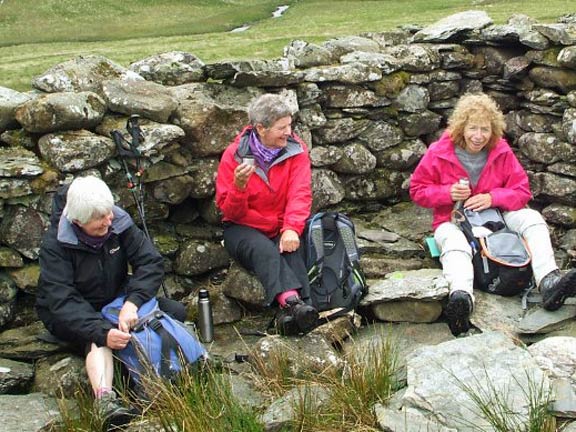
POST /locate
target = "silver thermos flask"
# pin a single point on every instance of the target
(205, 321)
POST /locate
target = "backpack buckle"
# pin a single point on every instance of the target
(155, 324)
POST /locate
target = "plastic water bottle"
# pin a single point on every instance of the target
(205, 321)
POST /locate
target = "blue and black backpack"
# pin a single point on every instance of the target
(159, 344)
(333, 263)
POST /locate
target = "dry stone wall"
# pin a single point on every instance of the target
(368, 106)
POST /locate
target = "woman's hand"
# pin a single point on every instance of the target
(459, 192)
(289, 242)
(117, 339)
(242, 174)
(479, 202)
(128, 316)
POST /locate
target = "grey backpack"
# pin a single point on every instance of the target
(500, 256)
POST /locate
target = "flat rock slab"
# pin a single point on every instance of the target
(442, 379)
(543, 321)
(423, 284)
(496, 313)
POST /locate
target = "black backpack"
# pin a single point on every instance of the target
(501, 258)
(333, 263)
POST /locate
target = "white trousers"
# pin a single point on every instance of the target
(456, 253)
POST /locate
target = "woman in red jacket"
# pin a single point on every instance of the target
(472, 148)
(263, 189)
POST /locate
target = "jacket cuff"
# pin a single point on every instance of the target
(101, 339)
(133, 298)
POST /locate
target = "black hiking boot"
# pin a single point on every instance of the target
(114, 414)
(458, 312)
(296, 317)
(556, 288)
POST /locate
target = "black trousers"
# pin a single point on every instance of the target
(259, 254)
(173, 308)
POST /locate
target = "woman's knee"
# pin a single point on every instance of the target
(523, 219)
(451, 239)
(173, 308)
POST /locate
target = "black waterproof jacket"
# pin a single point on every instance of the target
(76, 281)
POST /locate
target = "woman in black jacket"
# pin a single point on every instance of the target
(84, 261)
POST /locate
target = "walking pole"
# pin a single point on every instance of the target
(134, 182)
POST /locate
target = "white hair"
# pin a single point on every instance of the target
(267, 109)
(88, 198)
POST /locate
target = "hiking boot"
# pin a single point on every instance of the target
(556, 288)
(296, 317)
(458, 312)
(113, 412)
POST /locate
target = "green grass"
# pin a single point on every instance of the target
(37, 35)
(496, 407)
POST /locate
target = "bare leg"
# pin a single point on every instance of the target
(100, 368)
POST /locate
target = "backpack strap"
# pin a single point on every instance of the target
(316, 239)
(348, 238)
(347, 234)
(528, 297)
(169, 344)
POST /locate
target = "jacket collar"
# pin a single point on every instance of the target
(292, 148)
(121, 222)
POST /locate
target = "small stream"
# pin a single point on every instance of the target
(276, 14)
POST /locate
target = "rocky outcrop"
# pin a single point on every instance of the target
(367, 106)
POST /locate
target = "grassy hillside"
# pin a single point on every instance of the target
(35, 35)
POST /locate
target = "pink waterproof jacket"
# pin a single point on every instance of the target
(502, 176)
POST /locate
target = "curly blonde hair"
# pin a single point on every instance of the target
(477, 106)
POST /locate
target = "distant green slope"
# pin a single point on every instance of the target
(37, 34)
(33, 21)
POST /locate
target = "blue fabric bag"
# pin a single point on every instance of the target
(159, 342)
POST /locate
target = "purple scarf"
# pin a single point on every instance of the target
(93, 242)
(262, 154)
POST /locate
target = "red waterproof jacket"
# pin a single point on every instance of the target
(502, 176)
(273, 201)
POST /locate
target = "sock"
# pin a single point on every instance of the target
(281, 298)
(101, 391)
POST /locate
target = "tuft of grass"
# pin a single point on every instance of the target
(274, 375)
(78, 415)
(366, 379)
(201, 399)
(497, 409)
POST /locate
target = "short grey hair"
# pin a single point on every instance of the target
(267, 109)
(88, 198)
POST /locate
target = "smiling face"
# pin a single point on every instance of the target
(477, 135)
(276, 136)
(97, 226)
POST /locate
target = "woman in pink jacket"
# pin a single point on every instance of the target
(472, 148)
(264, 191)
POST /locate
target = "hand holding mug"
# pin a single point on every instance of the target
(243, 172)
